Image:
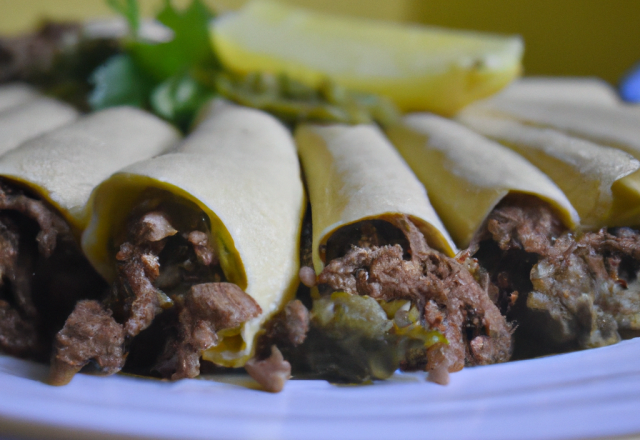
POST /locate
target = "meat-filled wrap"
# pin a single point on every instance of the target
(599, 181)
(566, 288)
(201, 247)
(389, 293)
(520, 123)
(45, 186)
(29, 120)
(467, 175)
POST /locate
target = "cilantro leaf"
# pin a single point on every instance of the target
(190, 46)
(119, 82)
(178, 99)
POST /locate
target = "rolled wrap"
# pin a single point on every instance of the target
(585, 171)
(240, 167)
(583, 91)
(616, 126)
(13, 94)
(467, 175)
(65, 165)
(354, 174)
(29, 120)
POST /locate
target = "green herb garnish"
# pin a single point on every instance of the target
(174, 78)
(164, 77)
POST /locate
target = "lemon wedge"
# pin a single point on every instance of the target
(417, 67)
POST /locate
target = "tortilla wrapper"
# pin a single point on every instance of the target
(611, 126)
(65, 165)
(467, 175)
(27, 121)
(576, 90)
(353, 174)
(585, 171)
(14, 94)
(240, 167)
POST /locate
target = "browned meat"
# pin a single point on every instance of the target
(203, 249)
(139, 267)
(137, 271)
(225, 305)
(565, 291)
(18, 336)
(453, 301)
(366, 234)
(90, 334)
(16, 267)
(25, 272)
(579, 288)
(155, 253)
(287, 329)
(51, 225)
(271, 373)
(206, 309)
(522, 222)
(152, 227)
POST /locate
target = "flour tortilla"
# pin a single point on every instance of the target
(65, 165)
(240, 167)
(29, 120)
(584, 170)
(467, 175)
(353, 174)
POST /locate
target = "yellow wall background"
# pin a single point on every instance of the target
(563, 37)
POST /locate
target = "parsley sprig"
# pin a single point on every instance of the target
(172, 79)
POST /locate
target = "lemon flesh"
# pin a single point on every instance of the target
(418, 67)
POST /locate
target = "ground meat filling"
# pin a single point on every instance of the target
(161, 268)
(30, 234)
(452, 300)
(565, 291)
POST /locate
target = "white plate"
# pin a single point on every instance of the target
(587, 394)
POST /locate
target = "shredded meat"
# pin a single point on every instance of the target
(166, 248)
(139, 267)
(453, 301)
(203, 249)
(565, 291)
(521, 222)
(208, 308)
(271, 373)
(137, 273)
(18, 336)
(51, 225)
(579, 287)
(90, 334)
(18, 258)
(140, 301)
(286, 330)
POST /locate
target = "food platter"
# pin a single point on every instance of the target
(587, 394)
